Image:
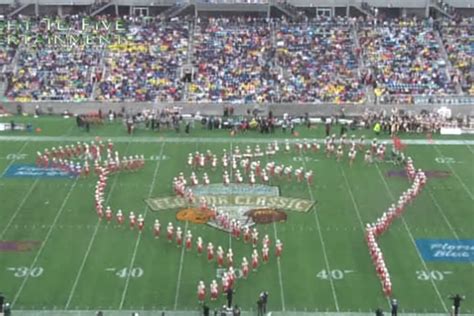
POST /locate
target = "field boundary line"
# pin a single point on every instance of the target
(196, 312)
(91, 242)
(43, 244)
(249, 140)
(20, 206)
(139, 238)
(455, 174)
(321, 238)
(13, 160)
(411, 238)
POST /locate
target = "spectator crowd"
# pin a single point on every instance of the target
(238, 59)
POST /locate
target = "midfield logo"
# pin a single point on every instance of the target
(250, 205)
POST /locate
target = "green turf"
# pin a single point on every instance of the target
(78, 249)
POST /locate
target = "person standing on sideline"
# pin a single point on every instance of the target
(259, 307)
(457, 302)
(229, 295)
(394, 305)
(264, 298)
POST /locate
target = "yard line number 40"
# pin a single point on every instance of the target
(332, 274)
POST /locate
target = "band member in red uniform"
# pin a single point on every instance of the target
(157, 228)
(132, 220)
(108, 214)
(119, 217)
(170, 232)
(189, 240)
(199, 245)
(179, 237)
(141, 222)
(278, 248)
(210, 251)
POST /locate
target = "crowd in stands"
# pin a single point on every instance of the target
(241, 60)
(320, 58)
(234, 63)
(406, 60)
(458, 36)
(145, 67)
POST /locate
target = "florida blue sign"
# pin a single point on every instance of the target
(32, 171)
(447, 250)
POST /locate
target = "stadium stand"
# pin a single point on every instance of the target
(338, 60)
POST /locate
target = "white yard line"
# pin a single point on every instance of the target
(280, 278)
(180, 272)
(43, 244)
(323, 244)
(132, 262)
(435, 287)
(91, 242)
(456, 174)
(470, 149)
(216, 140)
(181, 263)
(14, 160)
(356, 208)
(20, 206)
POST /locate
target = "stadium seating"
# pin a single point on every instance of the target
(241, 60)
(405, 58)
(234, 62)
(320, 58)
(458, 38)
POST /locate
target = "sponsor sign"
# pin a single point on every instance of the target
(32, 171)
(446, 250)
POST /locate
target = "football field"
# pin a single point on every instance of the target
(56, 255)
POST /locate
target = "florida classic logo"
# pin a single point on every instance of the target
(248, 204)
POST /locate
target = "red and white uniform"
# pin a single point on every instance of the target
(230, 258)
(254, 237)
(225, 282)
(246, 234)
(245, 267)
(189, 240)
(210, 251)
(108, 214)
(157, 228)
(170, 232)
(179, 237)
(255, 259)
(309, 177)
(278, 248)
(141, 222)
(201, 291)
(214, 290)
(220, 257)
(119, 217)
(199, 245)
(265, 253)
(133, 220)
(266, 241)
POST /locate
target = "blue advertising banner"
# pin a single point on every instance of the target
(32, 171)
(448, 250)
